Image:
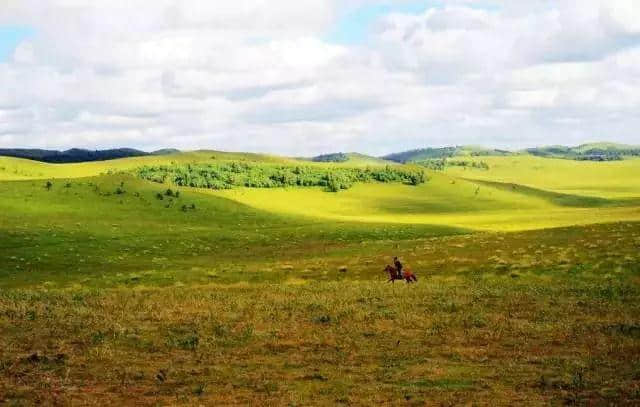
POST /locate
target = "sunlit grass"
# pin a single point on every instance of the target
(441, 201)
(612, 179)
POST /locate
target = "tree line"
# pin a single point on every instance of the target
(258, 175)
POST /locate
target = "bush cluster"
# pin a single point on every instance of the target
(440, 164)
(258, 175)
(473, 164)
(436, 164)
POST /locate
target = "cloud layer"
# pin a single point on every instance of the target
(261, 76)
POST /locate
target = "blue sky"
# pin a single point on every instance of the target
(10, 37)
(354, 26)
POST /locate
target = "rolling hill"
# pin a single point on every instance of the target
(355, 159)
(613, 179)
(76, 155)
(589, 152)
(515, 192)
(443, 152)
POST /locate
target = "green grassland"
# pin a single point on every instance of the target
(441, 201)
(113, 291)
(613, 180)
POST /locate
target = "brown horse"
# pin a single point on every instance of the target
(406, 275)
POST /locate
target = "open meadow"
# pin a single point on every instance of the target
(210, 278)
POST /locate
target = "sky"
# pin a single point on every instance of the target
(303, 77)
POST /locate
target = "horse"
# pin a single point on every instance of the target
(394, 275)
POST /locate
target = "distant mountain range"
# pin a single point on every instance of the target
(352, 158)
(422, 154)
(591, 151)
(76, 155)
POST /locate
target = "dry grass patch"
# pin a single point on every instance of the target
(445, 339)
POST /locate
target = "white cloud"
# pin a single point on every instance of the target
(257, 75)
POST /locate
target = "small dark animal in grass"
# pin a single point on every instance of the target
(406, 274)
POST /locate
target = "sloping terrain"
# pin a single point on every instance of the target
(16, 168)
(117, 290)
(81, 228)
(514, 193)
(616, 179)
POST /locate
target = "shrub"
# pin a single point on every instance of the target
(332, 184)
(186, 342)
(417, 178)
(199, 389)
(433, 164)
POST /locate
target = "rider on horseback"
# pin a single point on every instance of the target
(398, 265)
(398, 272)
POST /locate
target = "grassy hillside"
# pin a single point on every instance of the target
(106, 227)
(16, 168)
(114, 290)
(515, 193)
(438, 202)
(615, 180)
(364, 160)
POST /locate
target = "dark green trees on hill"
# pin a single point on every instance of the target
(588, 152)
(241, 174)
(331, 158)
(441, 163)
